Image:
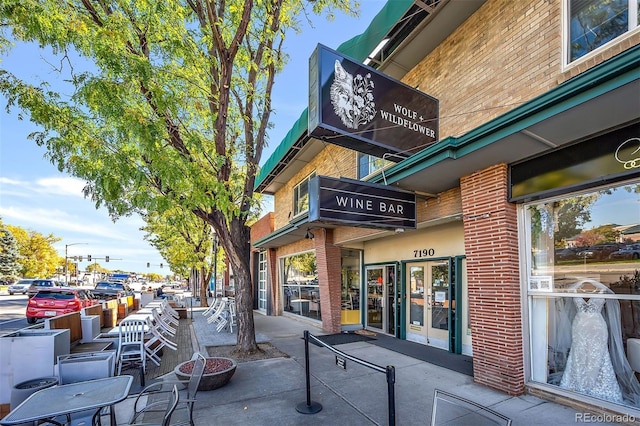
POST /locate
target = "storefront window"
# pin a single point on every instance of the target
(350, 289)
(584, 293)
(300, 285)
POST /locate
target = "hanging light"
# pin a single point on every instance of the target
(309, 235)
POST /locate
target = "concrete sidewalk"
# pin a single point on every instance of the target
(267, 392)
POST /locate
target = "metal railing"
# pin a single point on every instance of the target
(312, 407)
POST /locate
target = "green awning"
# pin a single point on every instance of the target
(358, 48)
(361, 45)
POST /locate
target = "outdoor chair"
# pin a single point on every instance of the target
(232, 315)
(183, 414)
(211, 309)
(166, 308)
(162, 322)
(157, 342)
(450, 409)
(131, 350)
(217, 313)
(165, 406)
(167, 315)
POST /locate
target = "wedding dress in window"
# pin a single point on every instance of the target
(589, 369)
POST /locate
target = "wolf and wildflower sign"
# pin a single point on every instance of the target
(358, 107)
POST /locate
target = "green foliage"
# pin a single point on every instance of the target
(38, 258)
(9, 253)
(173, 109)
(187, 242)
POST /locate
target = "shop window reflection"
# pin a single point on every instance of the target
(301, 291)
(584, 293)
(350, 286)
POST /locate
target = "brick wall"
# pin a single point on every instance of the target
(331, 161)
(491, 247)
(505, 54)
(328, 258)
(263, 227)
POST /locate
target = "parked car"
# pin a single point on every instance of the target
(53, 301)
(107, 290)
(629, 252)
(38, 284)
(22, 286)
(569, 253)
(599, 251)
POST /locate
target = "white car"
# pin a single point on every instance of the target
(22, 286)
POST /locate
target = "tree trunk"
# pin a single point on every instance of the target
(241, 266)
(204, 287)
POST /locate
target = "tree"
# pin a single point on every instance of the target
(9, 254)
(186, 241)
(38, 258)
(175, 114)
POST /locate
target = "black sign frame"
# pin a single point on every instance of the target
(361, 204)
(360, 108)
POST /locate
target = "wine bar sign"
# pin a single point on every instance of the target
(364, 204)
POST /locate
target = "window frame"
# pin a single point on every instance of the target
(533, 298)
(372, 170)
(297, 196)
(633, 26)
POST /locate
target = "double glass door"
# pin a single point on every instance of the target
(428, 303)
(381, 299)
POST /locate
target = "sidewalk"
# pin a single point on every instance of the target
(267, 392)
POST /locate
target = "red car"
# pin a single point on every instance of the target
(58, 301)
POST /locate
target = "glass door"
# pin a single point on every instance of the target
(262, 281)
(428, 303)
(381, 298)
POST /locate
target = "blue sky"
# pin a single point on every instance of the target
(35, 195)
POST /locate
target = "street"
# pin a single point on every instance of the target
(12, 312)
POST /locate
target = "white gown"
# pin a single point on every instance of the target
(589, 370)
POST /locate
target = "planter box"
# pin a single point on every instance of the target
(28, 354)
(145, 299)
(110, 317)
(123, 310)
(86, 366)
(90, 328)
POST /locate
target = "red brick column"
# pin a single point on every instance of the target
(328, 259)
(491, 247)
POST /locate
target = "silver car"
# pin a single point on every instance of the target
(22, 286)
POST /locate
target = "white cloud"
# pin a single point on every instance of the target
(65, 185)
(61, 186)
(41, 218)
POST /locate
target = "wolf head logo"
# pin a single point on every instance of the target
(352, 97)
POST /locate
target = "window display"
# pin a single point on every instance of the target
(583, 295)
(301, 292)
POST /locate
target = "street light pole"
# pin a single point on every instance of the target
(66, 261)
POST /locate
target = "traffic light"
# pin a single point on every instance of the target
(161, 265)
(88, 258)
(148, 264)
(106, 258)
(80, 258)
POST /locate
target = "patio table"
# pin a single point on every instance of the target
(64, 400)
